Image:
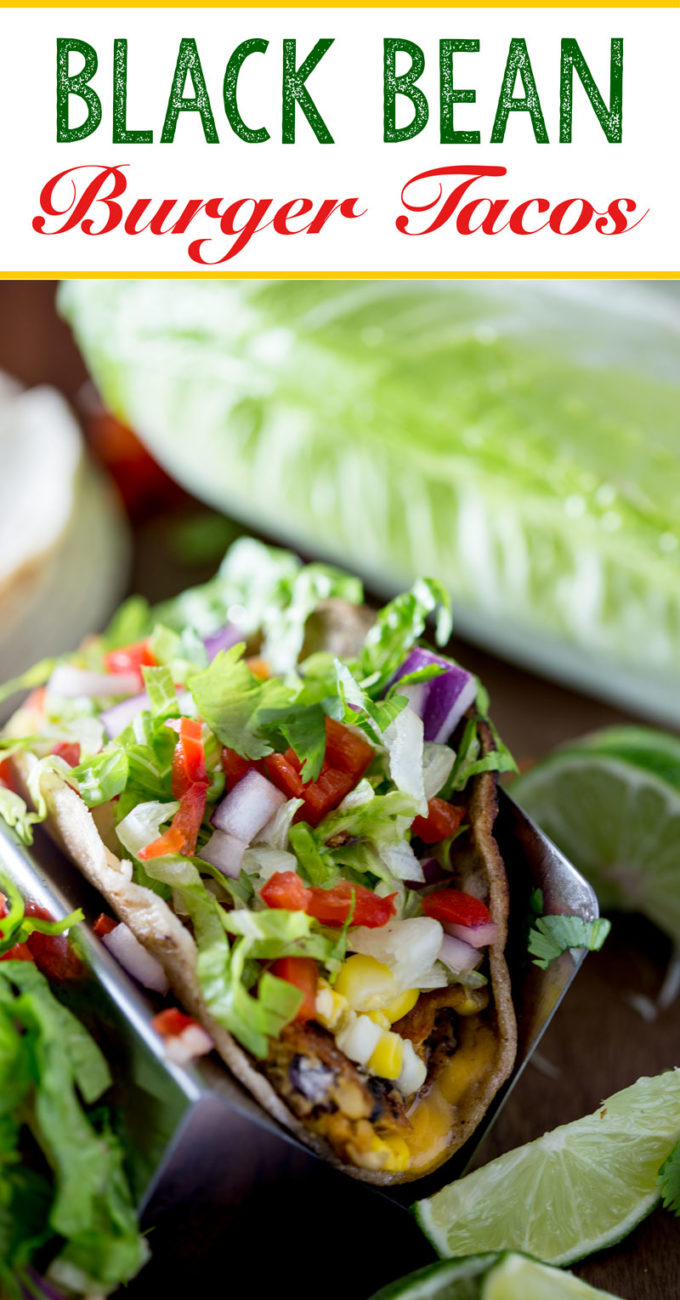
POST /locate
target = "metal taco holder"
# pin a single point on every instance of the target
(219, 1182)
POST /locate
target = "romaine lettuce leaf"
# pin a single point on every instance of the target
(81, 1203)
(521, 446)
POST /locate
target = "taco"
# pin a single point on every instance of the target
(288, 802)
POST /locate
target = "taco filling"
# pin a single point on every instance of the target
(288, 803)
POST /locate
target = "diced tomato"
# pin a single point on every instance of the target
(172, 841)
(53, 954)
(454, 907)
(36, 700)
(235, 767)
(69, 751)
(130, 659)
(171, 1022)
(259, 668)
(443, 819)
(302, 972)
(104, 924)
(333, 906)
(6, 776)
(330, 906)
(324, 794)
(20, 952)
(346, 750)
(284, 774)
(188, 760)
(285, 889)
(319, 796)
(182, 834)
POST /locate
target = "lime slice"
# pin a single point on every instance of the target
(517, 1278)
(612, 805)
(455, 1279)
(490, 1276)
(571, 1192)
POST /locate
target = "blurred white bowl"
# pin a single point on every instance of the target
(64, 543)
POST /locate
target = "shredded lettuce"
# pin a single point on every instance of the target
(14, 811)
(160, 688)
(222, 969)
(69, 1198)
(399, 625)
(316, 865)
(102, 778)
(142, 825)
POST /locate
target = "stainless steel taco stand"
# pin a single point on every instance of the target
(228, 1194)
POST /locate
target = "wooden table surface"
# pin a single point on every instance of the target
(597, 1042)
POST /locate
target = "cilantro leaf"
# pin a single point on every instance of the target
(550, 936)
(231, 701)
(669, 1181)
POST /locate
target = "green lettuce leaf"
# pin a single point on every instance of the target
(14, 811)
(160, 688)
(223, 970)
(82, 1204)
(103, 777)
(399, 625)
(521, 447)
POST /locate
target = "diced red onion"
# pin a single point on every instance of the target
(224, 852)
(248, 807)
(433, 873)
(223, 639)
(478, 936)
(134, 958)
(444, 700)
(458, 956)
(71, 682)
(119, 715)
(192, 1042)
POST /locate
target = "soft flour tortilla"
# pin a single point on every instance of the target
(163, 934)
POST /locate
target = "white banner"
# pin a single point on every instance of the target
(394, 141)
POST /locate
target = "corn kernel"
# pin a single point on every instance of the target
(366, 983)
(401, 1005)
(399, 1158)
(331, 1006)
(378, 1018)
(388, 1054)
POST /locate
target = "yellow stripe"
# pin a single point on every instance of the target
(54, 274)
(348, 4)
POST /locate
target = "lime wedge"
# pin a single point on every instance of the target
(571, 1192)
(517, 1278)
(452, 1279)
(612, 804)
(491, 1276)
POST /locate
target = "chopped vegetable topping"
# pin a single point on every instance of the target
(443, 819)
(280, 804)
(302, 973)
(452, 905)
(130, 659)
